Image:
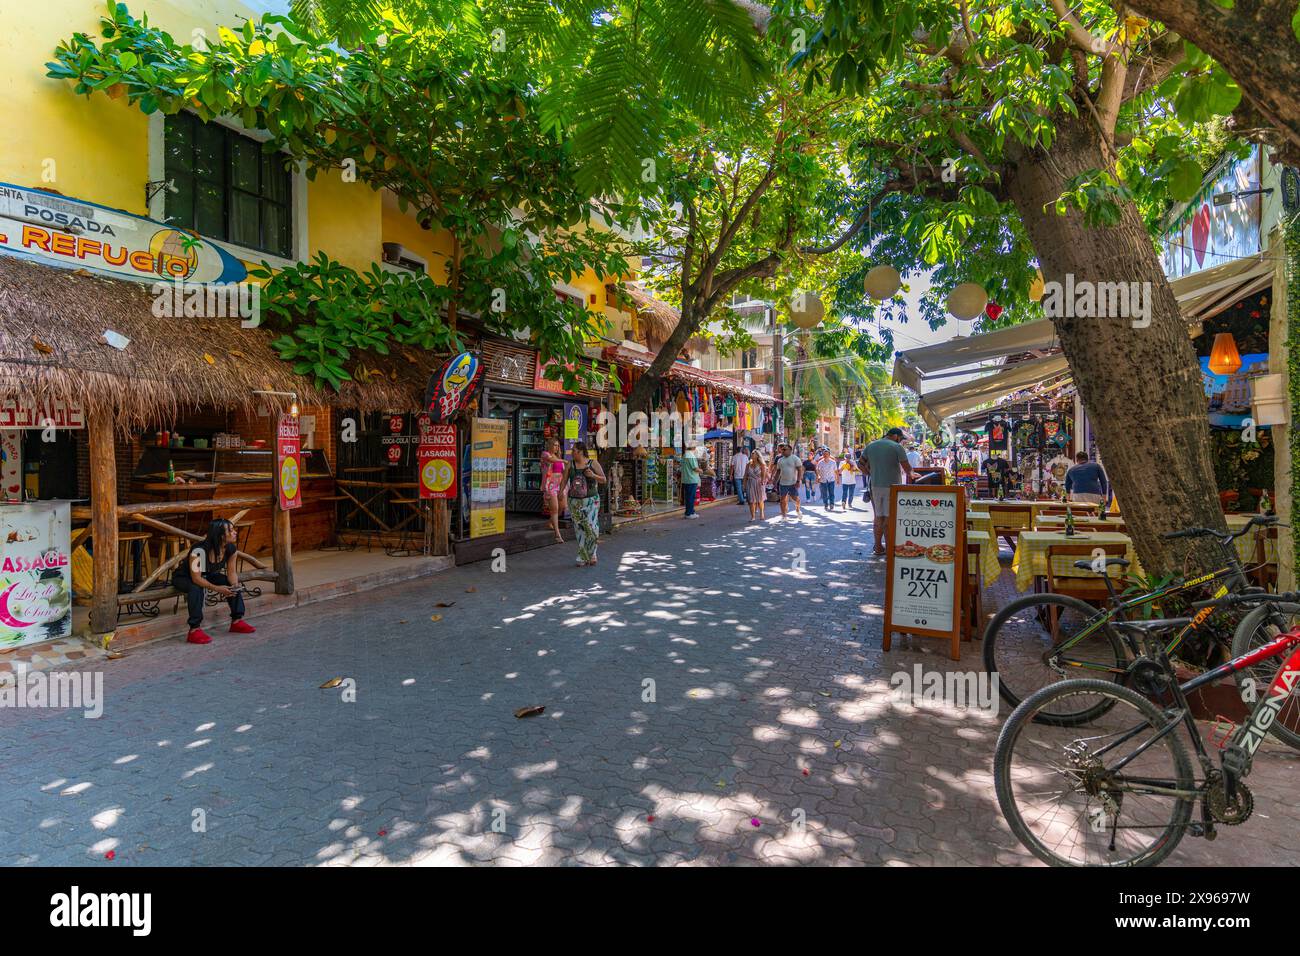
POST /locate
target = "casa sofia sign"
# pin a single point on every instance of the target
(57, 230)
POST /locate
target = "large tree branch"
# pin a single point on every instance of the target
(1077, 33)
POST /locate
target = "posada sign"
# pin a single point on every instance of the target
(927, 547)
(452, 386)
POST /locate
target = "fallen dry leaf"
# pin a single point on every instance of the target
(209, 359)
(42, 347)
(471, 589)
(403, 622)
(332, 682)
(838, 742)
(823, 693)
(445, 604)
(115, 655)
(435, 617)
(532, 711)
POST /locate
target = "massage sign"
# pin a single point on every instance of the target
(35, 573)
(927, 545)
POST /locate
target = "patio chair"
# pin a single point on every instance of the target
(1264, 574)
(973, 594)
(1064, 578)
(1009, 522)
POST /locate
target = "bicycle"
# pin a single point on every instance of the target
(1108, 773)
(1021, 652)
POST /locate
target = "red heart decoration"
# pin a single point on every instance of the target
(993, 310)
(1201, 233)
(934, 502)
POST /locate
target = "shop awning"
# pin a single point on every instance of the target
(1202, 294)
(681, 372)
(935, 406)
(1199, 296)
(913, 365)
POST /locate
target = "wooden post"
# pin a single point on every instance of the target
(103, 522)
(441, 526)
(281, 540)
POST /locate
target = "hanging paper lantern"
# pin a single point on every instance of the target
(882, 282)
(1037, 287)
(1224, 357)
(993, 310)
(967, 301)
(806, 310)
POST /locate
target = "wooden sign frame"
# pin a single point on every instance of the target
(959, 565)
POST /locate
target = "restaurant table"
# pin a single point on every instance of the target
(1054, 522)
(979, 521)
(192, 522)
(1030, 560)
(990, 569)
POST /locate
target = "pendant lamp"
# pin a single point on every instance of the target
(1224, 357)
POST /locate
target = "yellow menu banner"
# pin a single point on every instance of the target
(487, 477)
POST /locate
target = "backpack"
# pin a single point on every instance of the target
(577, 483)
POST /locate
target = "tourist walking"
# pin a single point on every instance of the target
(848, 480)
(886, 462)
(809, 476)
(756, 485)
(581, 485)
(690, 481)
(739, 468)
(785, 472)
(553, 469)
(827, 476)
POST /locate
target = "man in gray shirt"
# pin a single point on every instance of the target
(885, 464)
(787, 469)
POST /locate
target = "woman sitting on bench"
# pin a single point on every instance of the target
(210, 568)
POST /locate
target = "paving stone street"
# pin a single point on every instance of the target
(773, 735)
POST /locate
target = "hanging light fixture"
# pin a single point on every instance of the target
(1036, 287)
(882, 282)
(806, 310)
(967, 301)
(1224, 357)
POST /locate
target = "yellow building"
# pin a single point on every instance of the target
(107, 152)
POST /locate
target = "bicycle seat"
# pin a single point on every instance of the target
(1086, 565)
(1155, 626)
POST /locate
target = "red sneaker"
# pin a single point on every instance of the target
(197, 636)
(241, 627)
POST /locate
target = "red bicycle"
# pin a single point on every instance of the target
(1119, 790)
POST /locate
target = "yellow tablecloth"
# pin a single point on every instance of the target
(1030, 559)
(1051, 522)
(988, 559)
(979, 521)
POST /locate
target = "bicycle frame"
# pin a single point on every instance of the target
(1249, 735)
(1233, 572)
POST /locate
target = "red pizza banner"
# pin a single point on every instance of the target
(436, 459)
(288, 463)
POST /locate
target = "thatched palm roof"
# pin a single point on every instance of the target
(52, 323)
(657, 318)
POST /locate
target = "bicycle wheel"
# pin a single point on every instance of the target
(1063, 800)
(1019, 648)
(1256, 629)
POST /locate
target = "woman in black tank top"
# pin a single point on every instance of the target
(210, 567)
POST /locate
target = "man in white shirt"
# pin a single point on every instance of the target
(738, 462)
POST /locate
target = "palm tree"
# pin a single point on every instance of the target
(608, 72)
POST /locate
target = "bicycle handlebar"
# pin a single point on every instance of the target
(1232, 600)
(1256, 521)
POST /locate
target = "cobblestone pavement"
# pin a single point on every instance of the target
(772, 706)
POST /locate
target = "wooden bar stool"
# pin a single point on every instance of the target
(131, 547)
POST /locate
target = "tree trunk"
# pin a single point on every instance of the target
(646, 386)
(1141, 385)
(1256, 46)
